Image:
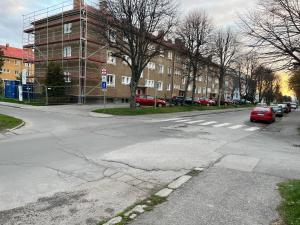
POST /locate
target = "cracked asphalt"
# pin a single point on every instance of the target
(66, 166)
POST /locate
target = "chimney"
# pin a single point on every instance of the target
(7, 45)
(77, 4)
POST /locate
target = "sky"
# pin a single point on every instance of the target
(223, 13)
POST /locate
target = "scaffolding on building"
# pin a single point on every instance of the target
(63, 34)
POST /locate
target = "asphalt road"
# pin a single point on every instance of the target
(67, 166)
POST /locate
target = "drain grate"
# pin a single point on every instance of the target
(297, 146)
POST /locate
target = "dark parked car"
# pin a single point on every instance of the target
(289, 106)
(263, 114)
(150, 101)
(278, 110)
(179, 100)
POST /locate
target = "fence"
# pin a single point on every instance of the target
(47, 95)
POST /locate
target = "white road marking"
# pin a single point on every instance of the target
(165, 120)
(196, 121)
(236, 127)
(181, 121)
(252, 129)
(222, 125)
(208, 123)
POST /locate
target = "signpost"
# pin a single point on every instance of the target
(104, 83)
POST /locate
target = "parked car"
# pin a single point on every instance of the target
(150, 101)
(289, 106)
(263, 114)
(179, 100)
(284, 107)
(294, 105)
(278, 110)
(205, 101)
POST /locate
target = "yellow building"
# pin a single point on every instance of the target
(16, 60)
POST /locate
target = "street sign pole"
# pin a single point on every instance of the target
(155, 94)
(104, 85)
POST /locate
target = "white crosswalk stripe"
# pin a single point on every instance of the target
(208, 123)
(181, 121)
(222, 125)
(236, 127)
(195, 121)
(252, 129)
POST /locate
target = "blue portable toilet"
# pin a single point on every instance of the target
(11, 89)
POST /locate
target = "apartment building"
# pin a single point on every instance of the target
(15, 60)
(68, 34)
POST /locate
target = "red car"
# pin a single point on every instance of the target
(150, 101)
(263, 114)
(205, 101)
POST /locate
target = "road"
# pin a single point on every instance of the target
(68, 166)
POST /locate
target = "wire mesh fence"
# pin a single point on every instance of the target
(36, 94)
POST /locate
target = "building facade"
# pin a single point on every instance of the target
(68, 34)
(15, 60)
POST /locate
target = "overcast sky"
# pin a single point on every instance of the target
(223, 12)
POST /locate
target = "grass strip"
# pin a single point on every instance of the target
(290, 206)
(152, 110)
(8, 122)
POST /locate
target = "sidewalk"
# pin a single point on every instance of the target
(219, 196)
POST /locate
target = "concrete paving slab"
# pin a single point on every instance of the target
(238, 162)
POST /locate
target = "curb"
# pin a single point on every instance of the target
(17, 127)
(133, 212)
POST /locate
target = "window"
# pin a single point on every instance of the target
(183, 80)
(151, 66)
(169, 87)
(162, 53)
(177, 72)
(169, 71)
(126, 80)
(110, 58)
(159, 85)
(216, 81)
(67, 77)
(176, 86)
(199, 90)
(170, 55)
(67, 51)
(161, 69)
(190, 87)
(67, 28)
(208, 90)
(112, 35)
(149, 83)
(110, 80)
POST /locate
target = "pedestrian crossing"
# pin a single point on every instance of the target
(207, 123)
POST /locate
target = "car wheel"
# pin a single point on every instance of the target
(137, 104)
(251, 120)
(159, 105)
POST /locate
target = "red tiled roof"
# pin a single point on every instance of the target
(17, 53)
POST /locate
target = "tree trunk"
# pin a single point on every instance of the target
(221, 86)
(133, 87)
(194, 83)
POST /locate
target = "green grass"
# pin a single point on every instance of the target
(150, 202)
(290, 207)
(23, 103)
(152, 110)
(7, 122)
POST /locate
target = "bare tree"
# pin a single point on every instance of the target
(195, 31)
(225, 49)
(265, 79)
(131, 27)
(274, 29)
(1, 60)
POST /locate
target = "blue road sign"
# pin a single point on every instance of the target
(104, 85)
